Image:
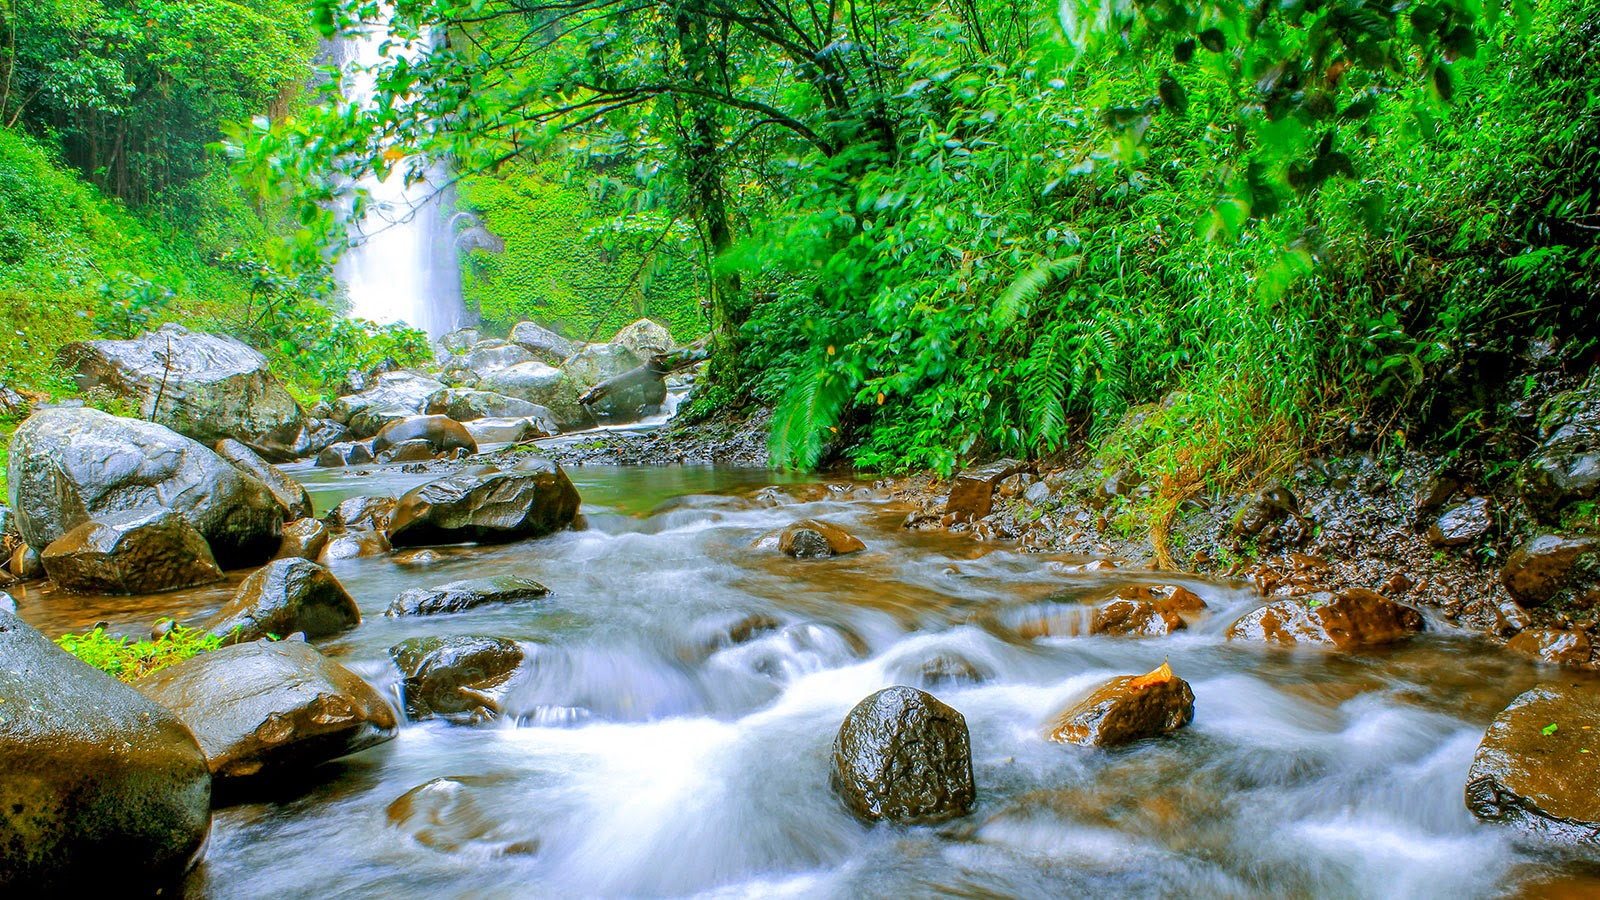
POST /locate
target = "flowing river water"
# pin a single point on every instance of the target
(646, 752)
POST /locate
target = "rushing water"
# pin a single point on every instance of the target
(643, 754)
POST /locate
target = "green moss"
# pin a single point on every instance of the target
(555, 271)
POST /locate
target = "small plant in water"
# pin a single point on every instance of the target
(131, 660)
(1550, 729)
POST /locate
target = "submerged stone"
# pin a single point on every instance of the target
(1349, 620)
(1126, 709)
(1534, 769)
(459, 596)
(903, 756)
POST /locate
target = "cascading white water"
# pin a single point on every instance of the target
(402, 265)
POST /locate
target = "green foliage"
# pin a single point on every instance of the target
(131, 660)
(128, 304)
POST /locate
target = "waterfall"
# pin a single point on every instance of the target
(402, 265)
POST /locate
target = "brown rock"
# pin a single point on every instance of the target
(811, 539)
(1135, 618)
(530, 501)
(1349, 620)
(1462, 524)
(359, 544)
(972, 492)
(303, 538)
(442, 433)
(1538, 570)
(460, 677)
(26, 564)
(290, 494)
(345, 453)
(461, 813)
(415, 450)
(138, 552)
(1564, 647)
(903, 756)
(1126, 709)
(460, 596)
(1509, 618)
(361, 512)
(283, 597)
(1534, 769)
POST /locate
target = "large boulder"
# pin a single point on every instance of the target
(465, 405)
(1135, 618)
(1566, 467)
(483, 358)
(101, 790)
(903, 756)
(440, 432)
(68, 466)
(263, 709)
(1540, 569)
(1126, 709)
(458, 341)
(143, 551)
(1560, 646)
(1349, 620)
(303, 538)
(546, 345)
(460, 596)
(546, 386)
(594, 363)
(394, 395)
(645, 339)
(455, 677)
(283, 597)
(361, 512)
(510, 431)
(531, 500)
(1534, 770)
(204, 386)
(290, 494)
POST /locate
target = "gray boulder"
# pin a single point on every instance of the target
(465, 405)
(1566, 467)
(441, 433)
(546, 345)
(595, 363)
(303, 538)
(264, 709)
(510, 431)
(645, 339)
(485, 357)
(103, 791)
(532, 500)
(549, 387)
(460, 596)
(204, 386)
(136, 552)
(347, 453)
(68, 466)
(394, 395)
(458, 341)
(290, 494)
(283, 597)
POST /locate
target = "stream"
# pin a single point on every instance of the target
(646, 752)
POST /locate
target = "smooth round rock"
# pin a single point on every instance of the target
(283, 597)
(460, 596)
(903, 756)
(137, 552)
(1126, 709)
(441, 433)
(1348, 620)
(303, 538)
(457, 677)
(290, 494)
(532, 500)
(1539, 570)
(1531, 771)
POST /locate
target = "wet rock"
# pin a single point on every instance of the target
(468, 405)
(1037, 494)
(1509, 618)
(1566, 467)
(1563, 647)
(1462, 524)
(546, 386)
(208, 386)
(811, 539)
(1135, 618)
(137, 552)
(103, 791)
(532, 500)
(263, 709)
(645, 339)
(441, 433)
(1174, 597)
(1271, 505)
(949, 669)
(1540, 569)
(549, 347)
(392, 395)
(484, 357)
(8, 603)
(903, 756)
(345, 453)
(1126, 709)
(455, 677)
(319, 434)
(458, 341)
(68, 466)
(720, 632)
(361, 512)
(26, 564)
(1531, 771)
(460, 596)
(417, 450)
(594, 363)
(510, 431)
(358, 544)
(457, 814)
(972, 492)
(1348, 620)
(290, 494)
(283, 597)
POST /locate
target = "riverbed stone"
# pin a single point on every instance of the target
(143, 551)
(531, 500)
(1533, 769)
(361, 512)
(903, 756)
(460, 596)
(303, 538)
(510, 431)
(1126, 709)
(482, 358)
(441, 433)
(283, 597)
(1174, 597)
(461, 813)
(345, 453)
(1135, 618)
(458, 677)
(290, 494)
(549, 347)
(1565, 469)
(594, 363)
(1540, 569)
(417, 450)
(102, 790)
(1561, 646)
(812, 539)
(393, 395)
(1462, 524)
(458, 341)
(264, 709)
(644, 339)
(1349, 620)
(70, 465)
(469, 405)
(546, 386)
(358, 543)
(203, 386)
(972, 491)
(26, 563)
